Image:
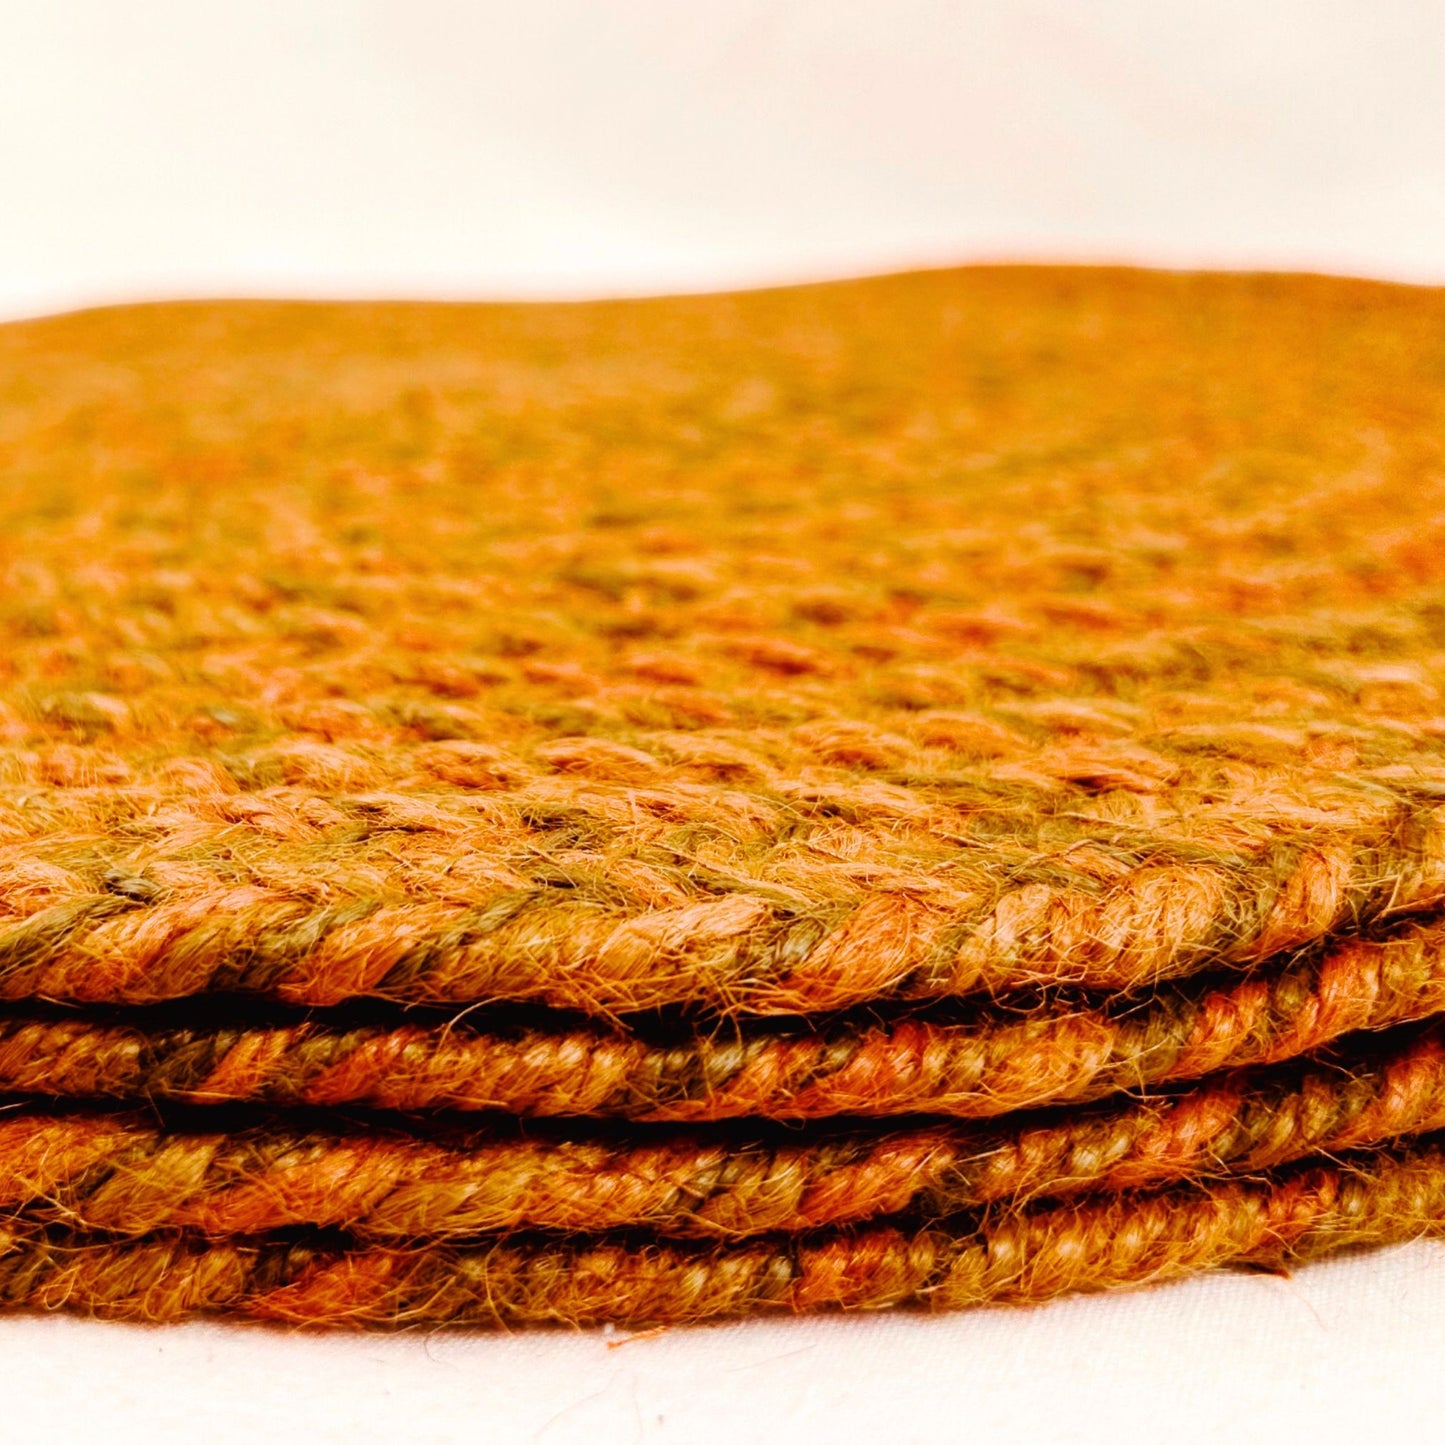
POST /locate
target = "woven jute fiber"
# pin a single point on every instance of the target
(927, 791)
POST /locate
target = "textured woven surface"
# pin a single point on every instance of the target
(942, 695)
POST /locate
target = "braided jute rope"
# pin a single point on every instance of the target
(999, 1063)
(123, 1175)
(1018, 1256)
(985, 921)
(905, 639)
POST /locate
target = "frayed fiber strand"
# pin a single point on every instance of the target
(933, 787)
(1025, 1256)
(124, 1175)
(1001, 1061)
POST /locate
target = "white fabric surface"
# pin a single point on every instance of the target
(562, 147)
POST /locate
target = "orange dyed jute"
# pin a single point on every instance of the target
(918, 791)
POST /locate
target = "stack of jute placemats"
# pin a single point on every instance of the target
(925, 791)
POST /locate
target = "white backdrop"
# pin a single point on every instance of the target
(577, 147)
